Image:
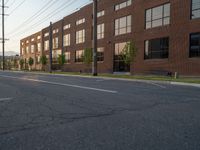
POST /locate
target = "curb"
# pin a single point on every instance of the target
(118, 79)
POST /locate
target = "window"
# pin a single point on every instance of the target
(46, 45)
(123, 25)
(46, 34)
(32, 48)
(78, 22)
(27, 42)
(55, 55)
(195, 45)
(80, 36)
(39, 47)
(22, 51)
(38, 59)
(39, 37)
(22, 43)
(100, 54)
(195, 9)
(158, 16)
(55, 31)
(157, 48)
(66, 26)
(67, 57)
(79, 56)
(123, 5)
(119, 47)
(27, 49)
(55, 43)
(66, 40)
(100, 31)
(32, 40)
(101, 13)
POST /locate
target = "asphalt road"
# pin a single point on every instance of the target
(44, 112)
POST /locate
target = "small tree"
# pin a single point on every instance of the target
(15, 63)
(87, 57)
(30, 61)
(129, 53)
(61, 59)
(43, 60)
(21, 63)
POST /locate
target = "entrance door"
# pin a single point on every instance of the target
(119, 64)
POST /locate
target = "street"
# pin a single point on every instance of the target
(51, 112)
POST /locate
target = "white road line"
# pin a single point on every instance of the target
(61, 84)
(5, 99)
(161, 86)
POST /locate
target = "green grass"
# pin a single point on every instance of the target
(134, 77)
(138, 77)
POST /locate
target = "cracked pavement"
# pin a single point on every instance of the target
(140, 116)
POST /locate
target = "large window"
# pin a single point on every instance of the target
(123, 5)
(39, 47)
(46, 45)
(55, 43)
(101, 13)
(27, 49)
(79, 56)
(195, 9)
(195, 45)
(157, 48)
(78, 22)
(67, 57)
(55, 55)
(66, 40)
(80, 36)
(123, 25)
(100, 31)
(100, 54)
(158, 16)
(32, 49)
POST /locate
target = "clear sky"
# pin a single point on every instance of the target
(29, 16)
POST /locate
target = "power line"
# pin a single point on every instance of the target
(20, 4)
(49, 4)
(50, 15)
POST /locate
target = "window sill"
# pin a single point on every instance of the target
(156, 60)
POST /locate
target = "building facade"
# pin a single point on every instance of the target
(165, 32)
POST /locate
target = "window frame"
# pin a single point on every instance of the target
(151, 58)
(151, 8)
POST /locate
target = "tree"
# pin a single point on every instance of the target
(15, 63)
(43, 61)
(61, 59)
(30, 61)
(21, 63)
(87, 57)
(129, 52)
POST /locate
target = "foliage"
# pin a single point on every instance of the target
(61, 59)
(21, 63)
(43, 60)
(30, 61)
(87, 57)
(129, 53)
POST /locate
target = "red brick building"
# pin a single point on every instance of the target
(165, 32)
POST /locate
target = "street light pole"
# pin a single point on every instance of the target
(94, 65)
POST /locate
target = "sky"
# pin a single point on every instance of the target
(27, 17)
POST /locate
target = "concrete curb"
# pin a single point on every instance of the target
(118, 79)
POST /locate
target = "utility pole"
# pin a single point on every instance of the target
(3, 34)
(50, 47)
(94, 65)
